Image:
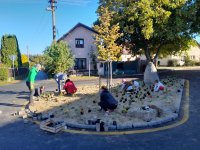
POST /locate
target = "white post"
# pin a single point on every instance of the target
(89, 66)
(13, 59)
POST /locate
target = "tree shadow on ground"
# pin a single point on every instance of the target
(11, 105)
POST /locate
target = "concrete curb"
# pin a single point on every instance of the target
(127, 127)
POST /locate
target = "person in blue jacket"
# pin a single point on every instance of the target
(60, 79)
(107, 101)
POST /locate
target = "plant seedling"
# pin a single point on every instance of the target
(82, 111)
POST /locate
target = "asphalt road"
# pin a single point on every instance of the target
(15, 135)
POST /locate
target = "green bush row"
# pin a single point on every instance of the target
(188, 62)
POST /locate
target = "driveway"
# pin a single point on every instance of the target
(15, 135)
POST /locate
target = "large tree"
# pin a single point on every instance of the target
(154, 26)
(58, 58)
(9, 46)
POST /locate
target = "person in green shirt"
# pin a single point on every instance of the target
(31, 80)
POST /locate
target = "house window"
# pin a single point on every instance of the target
(192, 57)
(80, 63)
(79, 43)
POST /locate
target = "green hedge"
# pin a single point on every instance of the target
(3, 74)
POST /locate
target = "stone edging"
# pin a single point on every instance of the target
(126, 127)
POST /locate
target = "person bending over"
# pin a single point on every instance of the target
(158, 86)
(30, 81)
(60, 78)
(69, 87)
(107, 101)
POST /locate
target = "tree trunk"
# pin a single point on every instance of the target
(147, 54)
(156, 56)
(150, 74)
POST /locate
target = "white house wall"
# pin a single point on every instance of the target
(82, 33)
(195, 51)
(194, 54)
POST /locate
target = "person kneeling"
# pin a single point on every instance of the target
(158, 86)
(107, 101)
(69, 87)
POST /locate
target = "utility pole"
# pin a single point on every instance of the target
(52, 8)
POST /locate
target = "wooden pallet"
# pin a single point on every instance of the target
(47, 126)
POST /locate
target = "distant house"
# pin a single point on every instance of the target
(81, 41)
(193, 53)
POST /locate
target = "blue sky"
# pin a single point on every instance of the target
(32, 24)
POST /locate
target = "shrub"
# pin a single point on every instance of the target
(189, 62)
(197, 63)
(172, 63)
(58, 58)
(3, 74)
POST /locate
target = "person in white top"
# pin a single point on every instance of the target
(158, 86)
(123, 84)
(136, 84)
(126, 86)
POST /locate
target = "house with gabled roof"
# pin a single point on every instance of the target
(81, 42)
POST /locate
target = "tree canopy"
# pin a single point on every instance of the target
(9, 46)
(155, 26)
(36, 59)
(107, 35)
(58, 58)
